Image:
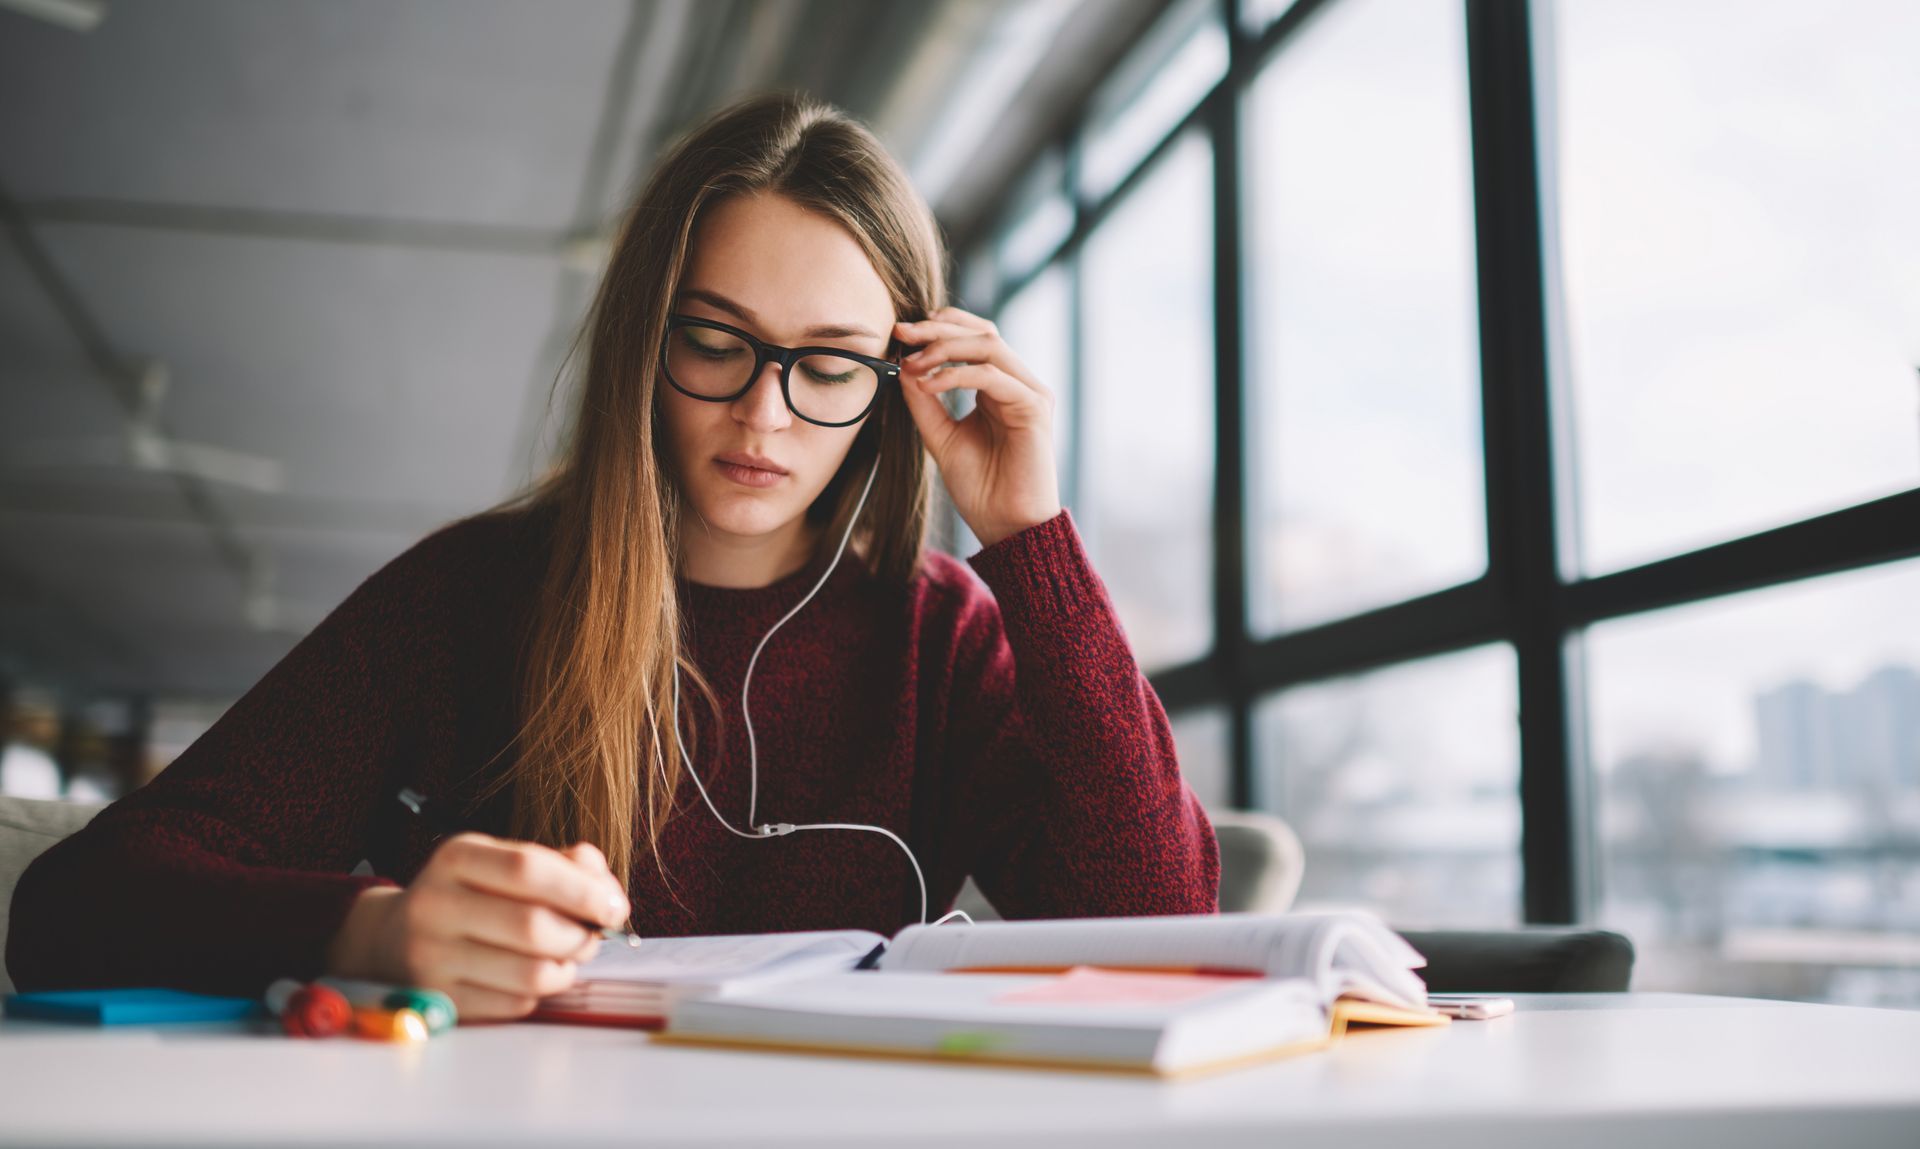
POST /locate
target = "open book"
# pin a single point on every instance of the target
(1165, 995)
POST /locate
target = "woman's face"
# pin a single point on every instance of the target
(788, 276)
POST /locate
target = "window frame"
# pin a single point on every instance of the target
(1531, 595)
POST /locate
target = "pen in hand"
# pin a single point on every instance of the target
(429, 810)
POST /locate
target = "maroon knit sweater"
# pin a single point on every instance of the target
(1008, 735)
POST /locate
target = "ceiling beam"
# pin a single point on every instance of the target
(307, 227)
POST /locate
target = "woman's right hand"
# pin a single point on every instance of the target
(494, 924)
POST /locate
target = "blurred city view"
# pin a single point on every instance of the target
(1794, 874)
(1757, 788)
(1403, 785)
(1797, 876)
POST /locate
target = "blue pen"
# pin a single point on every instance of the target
(421, 805)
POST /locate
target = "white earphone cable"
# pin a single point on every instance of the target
(753, 757)
(781, 829)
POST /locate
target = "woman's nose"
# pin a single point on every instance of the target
(763, 407)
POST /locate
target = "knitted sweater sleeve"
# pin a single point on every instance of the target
(231, 868)
(1069, 796)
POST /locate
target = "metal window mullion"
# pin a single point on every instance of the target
(1068, 256)
(1517, 422)
(1231, 639)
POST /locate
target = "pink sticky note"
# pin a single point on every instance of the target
(1091, 985)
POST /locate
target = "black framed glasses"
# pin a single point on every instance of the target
(827, 386)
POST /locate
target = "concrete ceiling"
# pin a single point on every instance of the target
(344, 235)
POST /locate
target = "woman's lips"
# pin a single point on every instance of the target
(748, 476)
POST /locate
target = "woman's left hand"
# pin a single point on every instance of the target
(997, 462)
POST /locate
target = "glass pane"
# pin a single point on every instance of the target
(1364, 373)
(1757, 797)
(178, 724)
(1740, 245)
(1404, 786)
(976, 281)
(1036, 323)
(29, 734)
(1255, 15)
(1178, 62)
(1146, 503)
(1204, 741)
(1039, 221)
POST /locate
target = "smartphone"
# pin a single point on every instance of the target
(1470, 1006)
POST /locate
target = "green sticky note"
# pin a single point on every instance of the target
(967, 1042)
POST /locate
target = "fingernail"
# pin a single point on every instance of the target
(617, 905)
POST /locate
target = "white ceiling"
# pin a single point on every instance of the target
(342, 227)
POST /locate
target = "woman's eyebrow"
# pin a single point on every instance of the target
(818, 331)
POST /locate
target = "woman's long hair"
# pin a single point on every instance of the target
(599, 749)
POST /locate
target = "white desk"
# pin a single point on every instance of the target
(1613, 1070)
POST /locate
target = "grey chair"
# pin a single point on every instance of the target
(27, 828)
(1531, 959)
(1261, 864)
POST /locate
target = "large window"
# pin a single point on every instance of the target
(1498, 423)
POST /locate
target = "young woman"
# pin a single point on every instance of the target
(702, 677)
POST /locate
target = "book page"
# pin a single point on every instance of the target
(719, 958)
(1236, 941)
(1353, 955)
(1336, 950)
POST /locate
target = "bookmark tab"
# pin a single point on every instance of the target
(1091, 985)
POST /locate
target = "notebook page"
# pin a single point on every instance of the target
(722, 957)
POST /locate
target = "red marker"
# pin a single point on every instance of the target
(316, 1011)
(308, 1010)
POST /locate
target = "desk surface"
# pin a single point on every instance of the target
(1566, 1070)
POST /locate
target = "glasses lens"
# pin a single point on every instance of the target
(708, 362)
(831, 388)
